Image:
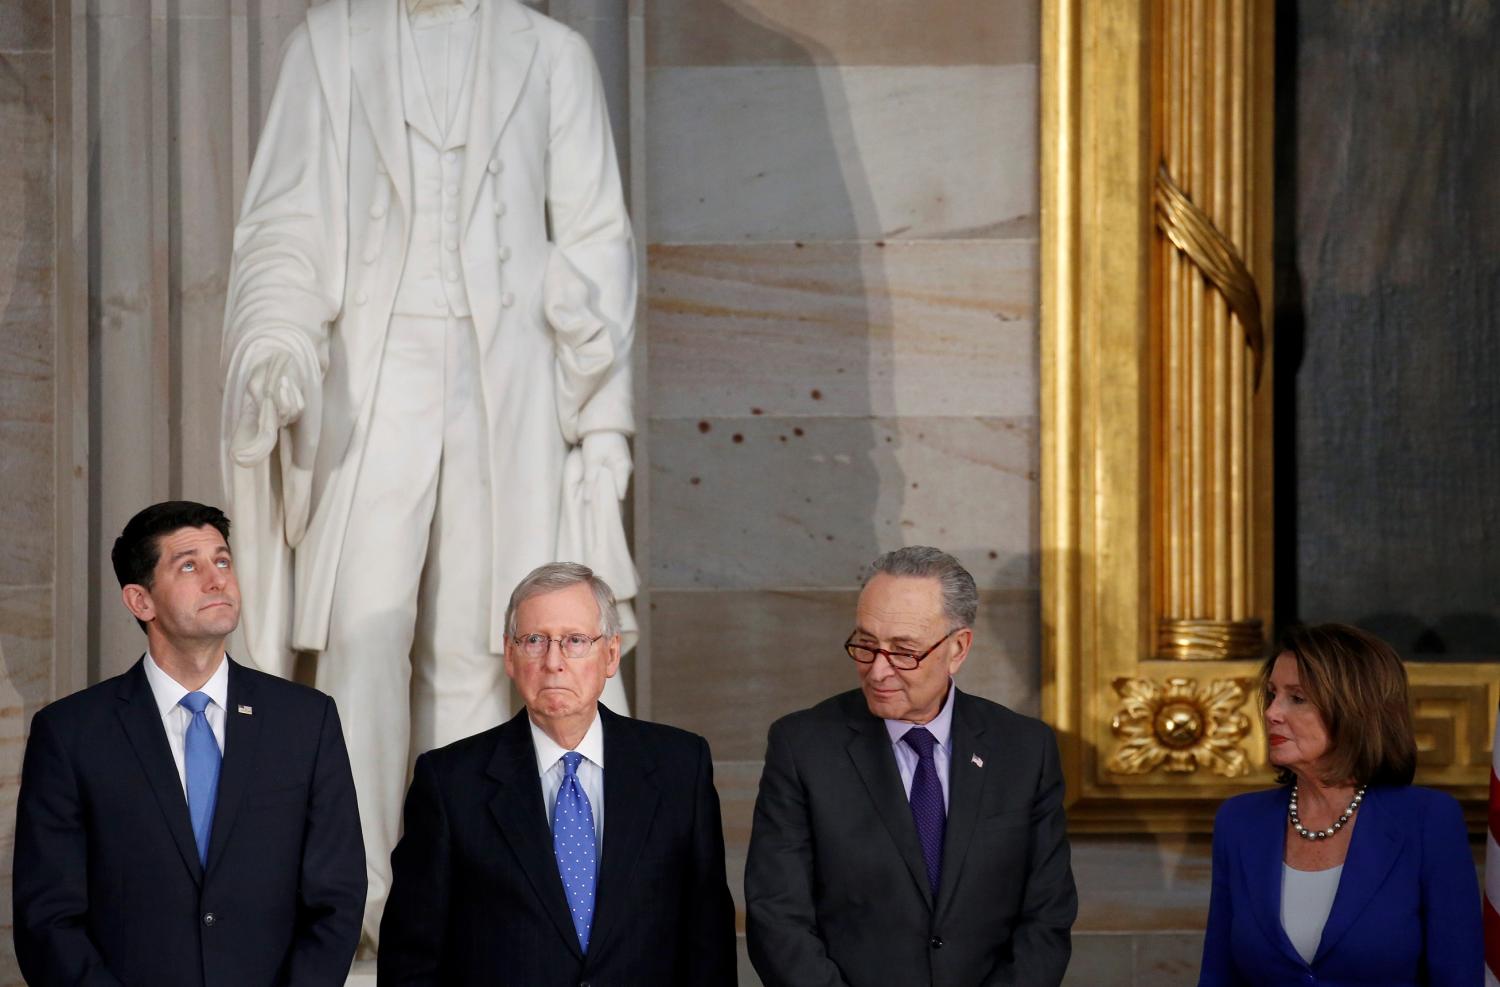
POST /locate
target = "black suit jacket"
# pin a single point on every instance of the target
(836, 891)
(108, 889)
(476, 898)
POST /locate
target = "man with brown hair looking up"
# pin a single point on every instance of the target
(191, 821)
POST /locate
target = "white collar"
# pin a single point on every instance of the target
(549, 751)
(941, 726)
(169, 692)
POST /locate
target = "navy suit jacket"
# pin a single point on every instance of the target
(476, 899)
(108, 888)
(1406, 911)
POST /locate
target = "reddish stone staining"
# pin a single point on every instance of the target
(695, 481)
(781, 438)
(798, 432)
(704, 426)
(817, 395)
(738, 438)
(829, 537)
(756, 411)
(994, 555)
(914, 485)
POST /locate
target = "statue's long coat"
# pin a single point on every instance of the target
(548, 261)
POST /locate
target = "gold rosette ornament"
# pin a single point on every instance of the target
(1182, 724)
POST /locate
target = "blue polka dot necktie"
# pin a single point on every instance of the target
(573, 843)
(927, 809)
(200, 755)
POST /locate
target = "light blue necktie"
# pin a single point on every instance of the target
(573, 843)
(201, 756)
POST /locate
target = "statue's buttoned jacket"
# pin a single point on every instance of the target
(538, 242)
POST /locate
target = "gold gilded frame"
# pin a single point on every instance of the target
(1155, 736)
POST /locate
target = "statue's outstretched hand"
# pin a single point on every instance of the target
(607, 451)
(274, 398)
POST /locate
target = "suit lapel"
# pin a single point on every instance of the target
(241, 741)
(519, 812)
(965, 794)
(870, 750)
(630, 802)
(143, 727)
(374, 56)
(503, 58)
(1373, 848)
(1264, 855)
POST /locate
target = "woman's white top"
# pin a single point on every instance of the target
(1306, 900)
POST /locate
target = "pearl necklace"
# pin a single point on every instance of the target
(1323, 834)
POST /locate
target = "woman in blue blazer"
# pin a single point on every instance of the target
(1347, 874)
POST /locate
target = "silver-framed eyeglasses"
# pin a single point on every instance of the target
(572, 646)
(903, 660)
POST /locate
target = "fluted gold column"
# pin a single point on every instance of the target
(1211, 464)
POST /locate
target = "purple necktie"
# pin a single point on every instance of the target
(927, 809)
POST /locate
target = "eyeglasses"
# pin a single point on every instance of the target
(572, 646)
(903, 660)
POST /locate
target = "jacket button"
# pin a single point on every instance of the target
(208, 918)
(936, 942)
(361, 298)
(507, 299)
(495, 167)
(504, 254)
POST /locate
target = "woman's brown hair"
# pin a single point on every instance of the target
(1358, 683)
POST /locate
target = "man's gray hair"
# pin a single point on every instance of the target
(960, 598)
(560, 575)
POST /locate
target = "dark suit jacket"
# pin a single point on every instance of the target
(1406, 912)
(836, 891)
(108, 888)
(476, 898)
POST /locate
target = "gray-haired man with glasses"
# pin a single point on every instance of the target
(569, 845)
(906, 832)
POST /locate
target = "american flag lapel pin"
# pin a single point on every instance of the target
(976, 760)
(247, 710)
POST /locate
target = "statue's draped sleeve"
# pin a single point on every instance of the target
(589, 294)
(285, 289)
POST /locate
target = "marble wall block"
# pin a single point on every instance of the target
(26, 25)
(27, 267)
(757, 502)
(1129, 884)
(839, 153)
(894, 329)
(842, 32)
(728, 664)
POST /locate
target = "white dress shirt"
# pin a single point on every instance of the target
(175, 718)
(549, 765)
(941, 729)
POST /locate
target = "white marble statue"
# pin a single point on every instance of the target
(427, 358)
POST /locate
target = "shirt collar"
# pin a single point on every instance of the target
(941, 726)
(549, 752)
(169, 692)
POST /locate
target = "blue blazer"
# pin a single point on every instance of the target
(1406, 911)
